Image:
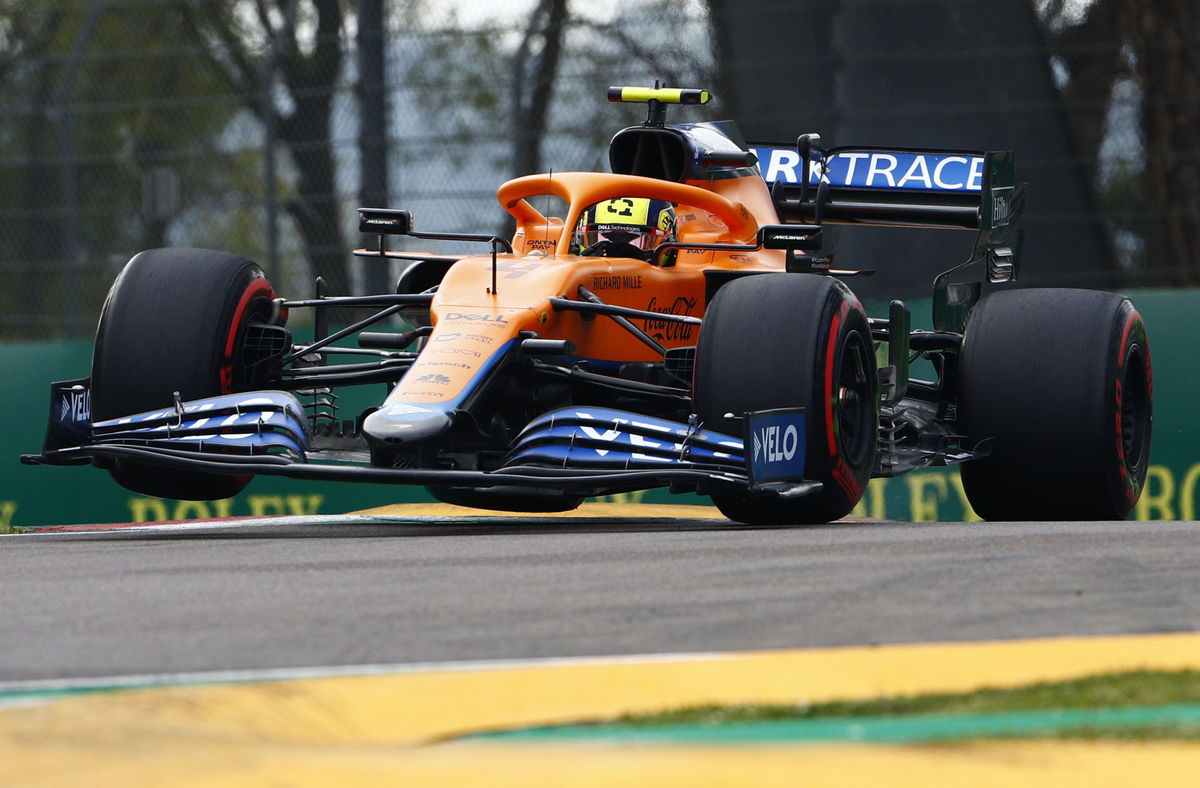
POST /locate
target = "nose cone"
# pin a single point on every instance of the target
(405, 423)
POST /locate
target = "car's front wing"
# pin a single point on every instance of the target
(581, 449)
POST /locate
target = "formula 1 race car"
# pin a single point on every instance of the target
(678, 327)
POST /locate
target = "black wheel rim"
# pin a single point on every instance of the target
(855, 407)
(1135, 410)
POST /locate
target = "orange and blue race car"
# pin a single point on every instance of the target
(678, 326)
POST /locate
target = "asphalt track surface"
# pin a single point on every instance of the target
(276, 596)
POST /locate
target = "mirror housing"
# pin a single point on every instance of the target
(384, 221)
(804, 237)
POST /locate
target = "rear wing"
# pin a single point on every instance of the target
(905, 187)
(886, 186)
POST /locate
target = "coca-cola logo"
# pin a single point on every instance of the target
(667, 330)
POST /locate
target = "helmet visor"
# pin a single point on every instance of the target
(643, 238)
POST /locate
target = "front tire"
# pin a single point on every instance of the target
(1057, 383)
(793, 340)
(175, 320)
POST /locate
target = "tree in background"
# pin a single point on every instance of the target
(1130, 78)
(28, 40)
(371, 91)
(547, 72)
(131, 125)
(244, 41)
(534, 71)
(506, 94)
(1165, 36)
(89, 131)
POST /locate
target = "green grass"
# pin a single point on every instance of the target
(1182, 731)
(1134, 689)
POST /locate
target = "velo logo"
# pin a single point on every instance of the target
(776, 443)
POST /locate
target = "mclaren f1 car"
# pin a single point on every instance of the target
(679, 326)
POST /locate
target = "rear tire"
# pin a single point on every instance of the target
(1057, 382)
(175, 320)
(793, 340)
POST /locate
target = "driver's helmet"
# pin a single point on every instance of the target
(625, 227)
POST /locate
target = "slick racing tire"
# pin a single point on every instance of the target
(175, 320)
(1056, 385)
(793, 340)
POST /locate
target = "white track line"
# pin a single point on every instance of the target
(290, 520)
(33, 686)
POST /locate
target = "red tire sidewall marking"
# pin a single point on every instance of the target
(830, 354)
(259, 288)
(1129, 485)
(838, 468)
